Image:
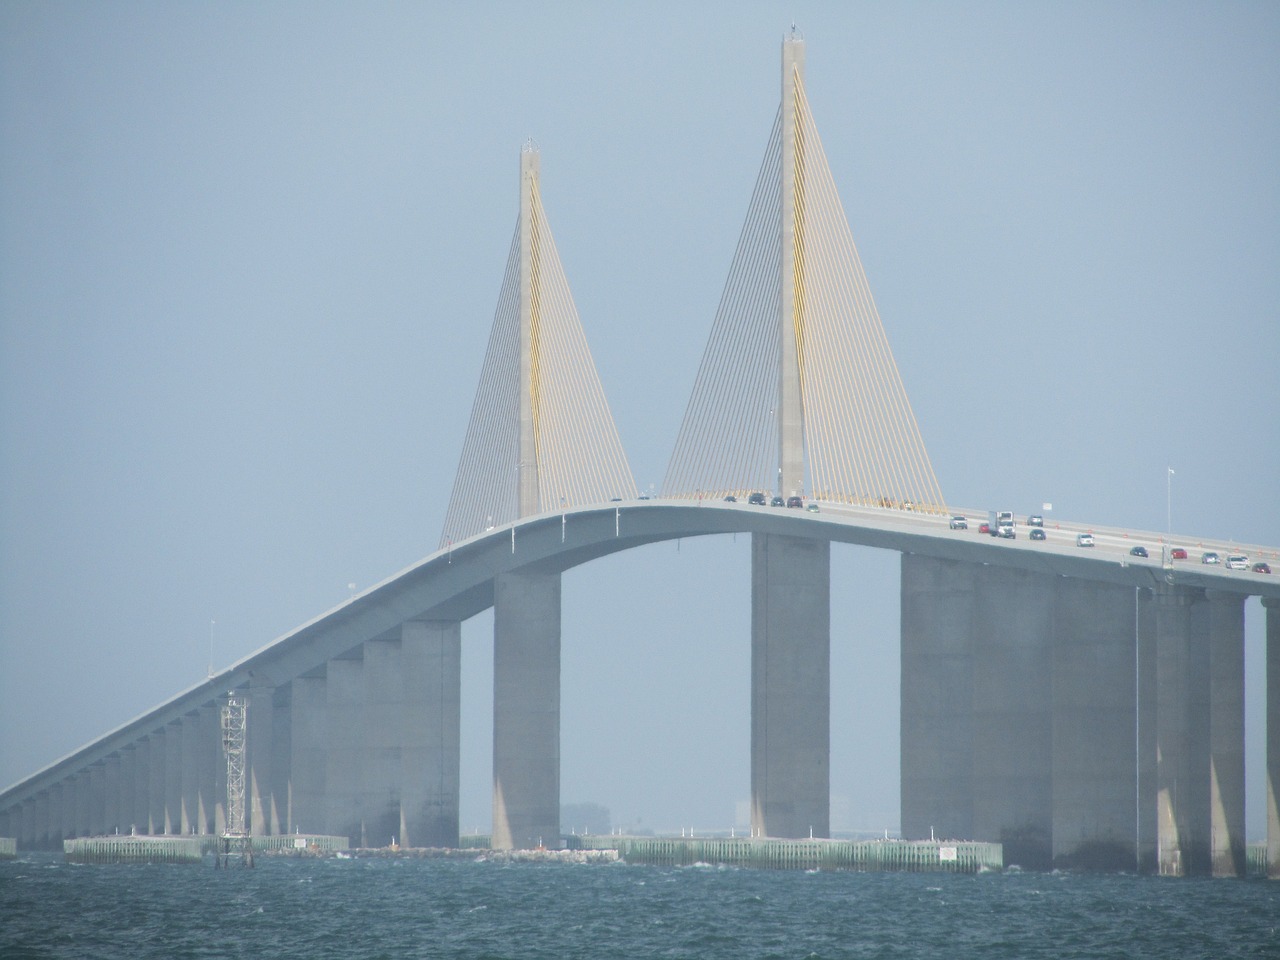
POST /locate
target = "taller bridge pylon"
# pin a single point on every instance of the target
(798, 392)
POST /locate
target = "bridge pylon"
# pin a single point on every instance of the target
(541, 438)
(798, 392)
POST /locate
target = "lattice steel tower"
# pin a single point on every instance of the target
(235, 840)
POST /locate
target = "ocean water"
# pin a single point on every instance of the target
(387, 908)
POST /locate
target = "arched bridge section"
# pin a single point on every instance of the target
(1048, 692)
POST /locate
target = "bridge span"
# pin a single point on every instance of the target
(1048, 692)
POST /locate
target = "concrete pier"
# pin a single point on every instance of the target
(344, 769)
(790, 686)
(526, 710)
(113, 818)
(1272, 609)
(430, 725)
(384, 704)
(1094, 714)
(1182, 732)
(1012, 714)
(1226, 734)
(1148, 784)
(936, 703)
(308, 763)
(173, 778)
(189, 816)
(261, 815)
(155, 784)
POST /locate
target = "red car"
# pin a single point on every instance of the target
(1178, 554)
(984, 528)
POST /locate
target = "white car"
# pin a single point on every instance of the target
(1084, 539)
(959, 523)
(1237, 562)
(1210, 557)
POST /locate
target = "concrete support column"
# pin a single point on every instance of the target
(308, 754)
(260, 746)
(84, 802)
(281, 755)
(344, 704)
(1094, 719)
(1182, 732)
(1148, 789)
(384, 698)
(213, 772)
(1272, 608)
(189, 819)
(526, 710)
(70, 802)
(54, 834)
(1226, 733)
(28, 838)
(114, 820)
(156, 784)
(1012, 716)
(6, 825)
(937, 599)
(431, 662)
(790, 686)
(173, 777)
(97, 799)
(141, 816)
(128, 786)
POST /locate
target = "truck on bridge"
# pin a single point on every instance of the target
(1000, 523)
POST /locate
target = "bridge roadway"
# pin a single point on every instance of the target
(159, 772)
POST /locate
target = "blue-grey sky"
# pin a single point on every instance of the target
(250, 253)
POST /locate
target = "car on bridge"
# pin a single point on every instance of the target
(1084, 539)
(796, 503)
(756, 499)
(1035, 520)
(959, 523)
(1138, 551)
(1037, 533)
(1179, 553)
(1261, 567)
(776, 502)
(1237, 561)
(1210, 557)
(984, 527)
(812, 508)
(731, 499)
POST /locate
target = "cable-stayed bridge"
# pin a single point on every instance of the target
(1082, 706)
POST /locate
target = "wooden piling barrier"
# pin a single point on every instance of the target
(923, 856)
(133, 849)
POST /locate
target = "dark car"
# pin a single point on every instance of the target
(1037, 533)
(1261, 567)
(776, 502)
(757, 499)
(1137, 551)
(1178, 554)
(796, 502)
(731, 499)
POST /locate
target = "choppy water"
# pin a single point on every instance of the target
(422, 908)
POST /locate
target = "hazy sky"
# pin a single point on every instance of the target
(250, 254)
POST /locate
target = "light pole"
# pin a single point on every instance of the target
(1168, 520)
